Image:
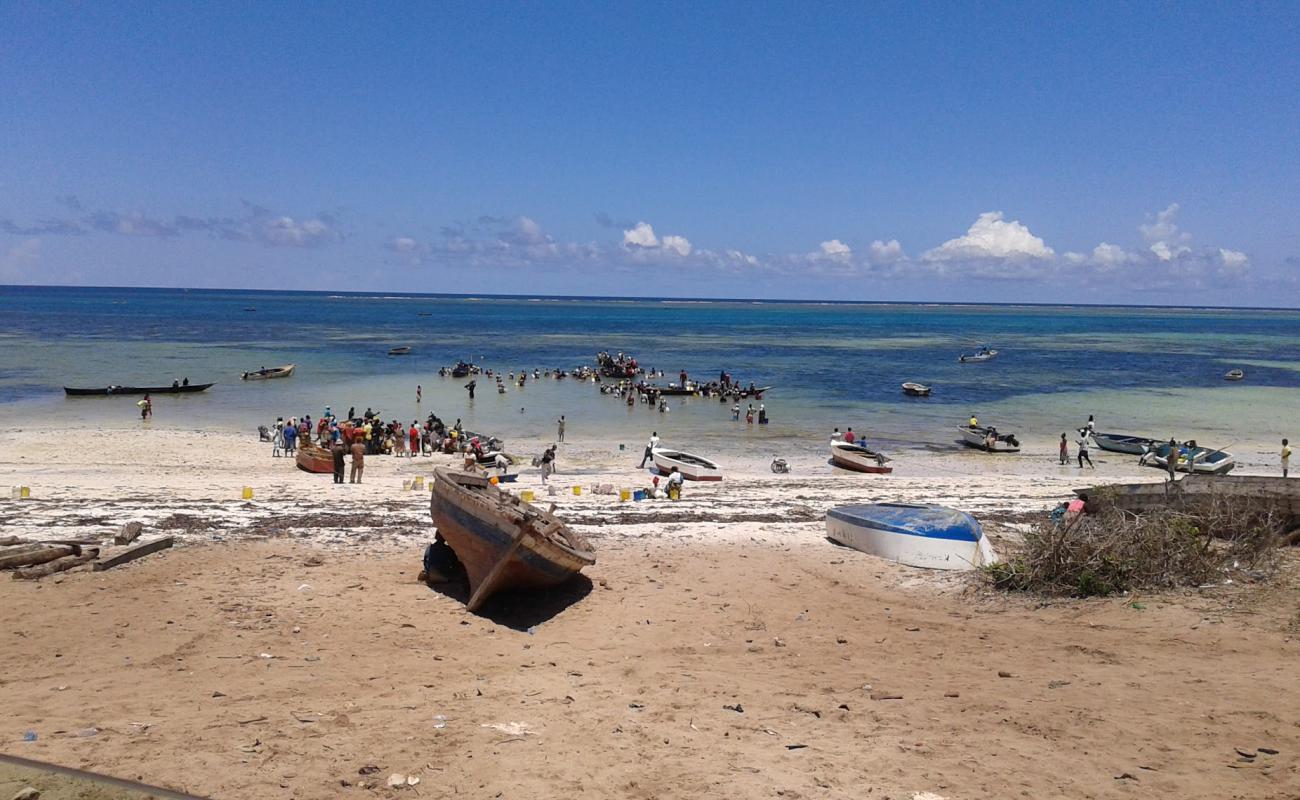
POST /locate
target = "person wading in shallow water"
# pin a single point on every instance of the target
(470, 388)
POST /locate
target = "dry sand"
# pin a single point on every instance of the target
(284, 648)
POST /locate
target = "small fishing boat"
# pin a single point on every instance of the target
(673, 390)
(502, 541)
(424, 313)
(916, 389)
(1234, 375)
(692, 467)
(312, 458)
(265, 373)
(918, 535)
(1123, 443)
(855, 457)
(179, 388)
(460, 370)
(979, 437)
(1191, 458)
(982, 354)
(399, 351)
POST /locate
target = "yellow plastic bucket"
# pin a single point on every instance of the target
(624, 495)
(26, 492)
(417, 482)
(406, 486)
(248, 493)
(577, 490)
(526, 495)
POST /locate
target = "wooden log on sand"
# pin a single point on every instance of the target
(129, 533)
(38, 554)
(132, 553)
(57, 565)
(6, 541)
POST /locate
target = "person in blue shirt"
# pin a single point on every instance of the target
(290, 439)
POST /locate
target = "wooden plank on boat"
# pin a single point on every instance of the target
(485, 588)
(35, 555)
(129, 533)
(132, 553)
(57, 565)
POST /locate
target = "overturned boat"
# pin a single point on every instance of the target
(919, 535)
(502, 541)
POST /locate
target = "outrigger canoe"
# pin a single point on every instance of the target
(502, 541)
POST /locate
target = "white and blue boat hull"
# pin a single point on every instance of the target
(930, 536)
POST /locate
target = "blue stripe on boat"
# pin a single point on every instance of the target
(929, 521)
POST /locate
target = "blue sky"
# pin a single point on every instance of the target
(1038, 152)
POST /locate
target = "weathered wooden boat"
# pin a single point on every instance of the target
(1203, 460)
(266, 373)
(919, 535)
(916, 389)
(177, 389)
(460, 370)
(979, 437)
(313, 458)
(1234, 375)
(672, 390)
(692, 467)
(856, 457)
(502, 541)
(399, 351)
(1281, 495)
(1123, 443)
(978, 356)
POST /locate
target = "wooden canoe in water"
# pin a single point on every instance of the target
(502, 541)
(311, 458)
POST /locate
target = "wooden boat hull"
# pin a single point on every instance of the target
(692, 467)
(927, 536)
(859, 459)
(311, 458)
(1122, 443)
(193, 387)
(976, 437)
(267, 374)
(500, 539)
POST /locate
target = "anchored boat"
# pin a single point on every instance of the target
(997, 443)
(916, 389)
(175, 389)
(692, 467)
(502, 541)
(919, 535)
(265, 373)
(853, 456)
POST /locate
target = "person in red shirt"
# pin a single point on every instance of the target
(415, 438)
(849, 437)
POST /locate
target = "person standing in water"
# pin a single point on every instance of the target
(470, 387)
(419, 393)
(559, 424)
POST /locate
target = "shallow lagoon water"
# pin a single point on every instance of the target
(1150, 371)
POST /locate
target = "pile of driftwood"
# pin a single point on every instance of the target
(35, 559)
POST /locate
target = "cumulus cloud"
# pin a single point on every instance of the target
(1233, 259)
(676, 244)
(992, 238)
(886, 252)
(835, 250)
(642, 243)
(640, 235)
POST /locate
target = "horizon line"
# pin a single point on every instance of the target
(654, 298)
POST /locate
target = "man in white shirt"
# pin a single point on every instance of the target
(649, 449)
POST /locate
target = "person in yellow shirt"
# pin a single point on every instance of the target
(1286, 456)
(974, 421)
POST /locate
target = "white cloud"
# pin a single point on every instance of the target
(640, 235)
(1233, 259)
(290, 232)
(1163, 227)
(677, 244)
(526, 231)
(835, 250)
(886, 252)
(992, 238)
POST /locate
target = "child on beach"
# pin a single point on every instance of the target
(1065, 450)
(1286, 456)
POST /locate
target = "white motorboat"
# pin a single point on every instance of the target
(856, 457)
(692, 467)
(266, 373)
(918, 535)
(997, 443)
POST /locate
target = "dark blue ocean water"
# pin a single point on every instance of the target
(827, 360)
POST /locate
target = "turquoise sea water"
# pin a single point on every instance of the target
(1141, 370)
